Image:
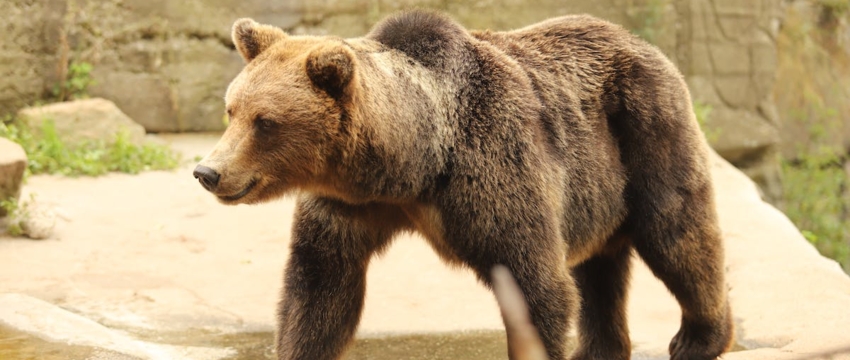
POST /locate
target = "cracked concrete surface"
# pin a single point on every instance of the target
(154, 259)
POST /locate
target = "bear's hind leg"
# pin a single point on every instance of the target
(685, 252)
(672, 216)
(549, 292)
(603, 284)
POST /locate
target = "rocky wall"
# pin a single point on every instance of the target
(167, 63)
(28, 50)
(813, 80)
(727, 50)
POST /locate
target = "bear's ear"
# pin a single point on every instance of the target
(331, 68)
(251, 38)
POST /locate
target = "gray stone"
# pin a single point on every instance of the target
(183, 17)
(148, 97)
(767, 109)
(198, 74)
(736, 7)
(703, 90)
(765, 170)
(764, 57)
(764, 83)
(13, 163)
(168, 68)
(730, 58)
(133, 40)
(33, 219)
(738, 91)
(700, 61)
(84, 120)
(738, 27)
(730, 65)
(29, 50)
(703, 26)
(37, 220)
(345, 25)
(742, 135)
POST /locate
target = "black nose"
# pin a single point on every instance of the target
(207, 177)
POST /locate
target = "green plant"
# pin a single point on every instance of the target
(48, 154)
(703, 114)
(817, 200)
(16, 214)
(816, 186)
(647, 19)
(811, 93)
(76, 82)
(837, 8)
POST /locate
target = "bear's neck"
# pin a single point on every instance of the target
(399, 114)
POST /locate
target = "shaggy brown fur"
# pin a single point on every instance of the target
(554, 150)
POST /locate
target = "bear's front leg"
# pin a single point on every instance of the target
(325, 278)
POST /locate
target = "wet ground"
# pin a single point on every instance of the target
(483, 345)
(18, 345)
(479, 345)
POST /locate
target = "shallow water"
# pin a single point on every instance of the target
(484, 345)
(17, 345)
(479, 345)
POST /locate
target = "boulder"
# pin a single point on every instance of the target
(84, 120)
(37, 221)
(741, 135)
(31, 219)
(13, 162)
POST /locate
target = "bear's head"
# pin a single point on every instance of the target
(286, 111)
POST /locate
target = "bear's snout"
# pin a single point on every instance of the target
(207, 177)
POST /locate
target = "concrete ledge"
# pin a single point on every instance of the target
(52, 323)
(787, 298)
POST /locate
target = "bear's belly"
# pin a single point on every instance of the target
(427, 221)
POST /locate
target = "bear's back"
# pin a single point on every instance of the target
(580, 54)
(430, 38)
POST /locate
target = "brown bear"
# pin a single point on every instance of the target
(554, 150)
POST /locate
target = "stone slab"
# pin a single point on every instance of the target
(56, 324)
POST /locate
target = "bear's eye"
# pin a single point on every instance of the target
(264, 124)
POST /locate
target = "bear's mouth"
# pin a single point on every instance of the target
(242, 193)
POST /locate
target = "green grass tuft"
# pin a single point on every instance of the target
(15, 213)
(647, 19)
(811, 93)
(817, 200)
(703, 114)
(48, 154)
(76, 84)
